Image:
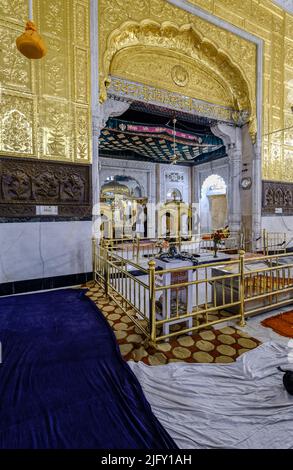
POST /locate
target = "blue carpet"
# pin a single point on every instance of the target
(64, 384)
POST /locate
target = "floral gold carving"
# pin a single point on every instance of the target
(39, 97)
(218, 50)
(263, 19)
(272, 24)
(81, 75)
(15, 70)
(82, 142)
(202, 81)
(17, 129)
(14, 10)
(136, 91)
(180, 75)
(182, 40)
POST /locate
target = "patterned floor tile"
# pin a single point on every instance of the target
(208, 345)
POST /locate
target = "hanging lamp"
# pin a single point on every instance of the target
(30, 43)
(174, 157)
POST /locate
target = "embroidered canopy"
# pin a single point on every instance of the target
(156, 142)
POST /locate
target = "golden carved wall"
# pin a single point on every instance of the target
(259, 17)
(181, 38)
(269, 22)
(45, 105)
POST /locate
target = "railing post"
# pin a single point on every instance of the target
(242, 287)
(94, 257)
(285, 242)
(106, 268)
(152, 299)
(180, 242)
(241, 240)
(137, 247)
(264, 241)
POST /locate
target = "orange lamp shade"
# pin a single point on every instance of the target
(30, 43)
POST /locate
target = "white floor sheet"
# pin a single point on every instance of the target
(241, 405)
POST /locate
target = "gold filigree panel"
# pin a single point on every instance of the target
(81, 24)
(234, 62)
(275, 27)
(14, 11)
(15, 70)
(17, 124)
(82, 142)
(81, 73)
(55, 141)
(165, 72)
(54, 69)
(261, 18)
(41, 98)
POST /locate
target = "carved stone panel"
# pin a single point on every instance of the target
(277, 195)
(25, 184)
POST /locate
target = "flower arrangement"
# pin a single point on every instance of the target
(218, 235)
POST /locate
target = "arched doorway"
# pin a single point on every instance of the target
(181, 63)
(213, 204)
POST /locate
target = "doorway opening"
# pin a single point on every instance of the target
(213, 204)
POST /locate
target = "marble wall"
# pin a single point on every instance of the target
(35, 250)
(174, 177)
(280, 224)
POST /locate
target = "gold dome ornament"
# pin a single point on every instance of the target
(30, 43)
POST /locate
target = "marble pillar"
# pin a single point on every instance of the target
(231, 136)
(101, 114)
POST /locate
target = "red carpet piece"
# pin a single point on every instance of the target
(281, 324)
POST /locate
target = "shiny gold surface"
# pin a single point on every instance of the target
(158, 37)
(275, 26)
(207, 73)
(163, 72)
(261, 18)
(44, 110)
(148, 94)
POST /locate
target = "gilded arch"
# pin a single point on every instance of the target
(198, 57)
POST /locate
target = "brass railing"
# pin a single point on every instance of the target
(269, 286)
(115, 275)
(164, 303)
(138, 248)
(273, 242)
(188, 297)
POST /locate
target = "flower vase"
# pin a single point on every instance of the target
(215, 249)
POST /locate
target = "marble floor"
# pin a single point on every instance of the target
(254, 327)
